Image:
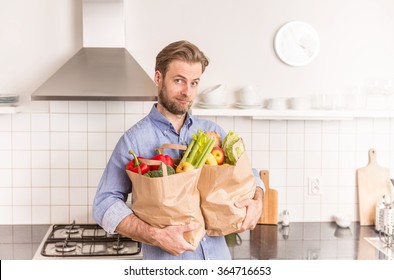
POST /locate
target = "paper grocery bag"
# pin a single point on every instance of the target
(169, 200)
(220, 186)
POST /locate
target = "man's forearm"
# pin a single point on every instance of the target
(136, 229)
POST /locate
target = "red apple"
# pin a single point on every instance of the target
(218, 153)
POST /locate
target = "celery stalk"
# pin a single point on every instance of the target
(194, 149)
(204, 155)
(187, 152)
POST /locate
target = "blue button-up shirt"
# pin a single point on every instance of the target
(109, 207)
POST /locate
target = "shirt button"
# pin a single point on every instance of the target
(204, 239)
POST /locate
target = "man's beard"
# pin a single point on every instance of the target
(172, 106)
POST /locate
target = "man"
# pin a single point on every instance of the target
(179, 67)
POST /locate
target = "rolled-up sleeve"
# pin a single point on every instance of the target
(109, 207)
(259, 182)
(114, 215)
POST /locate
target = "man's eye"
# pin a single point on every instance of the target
(178, 81)
(194, 84)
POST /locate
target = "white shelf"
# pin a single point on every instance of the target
(294, 114)
(11, 109)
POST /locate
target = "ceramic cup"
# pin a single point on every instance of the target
(300, 103)
(249, 96)
(277, 103)
(213, 95)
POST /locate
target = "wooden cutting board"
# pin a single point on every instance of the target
(270, 212)
(373, 182)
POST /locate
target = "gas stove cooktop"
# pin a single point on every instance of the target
(86, 241)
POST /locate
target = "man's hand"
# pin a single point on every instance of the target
(254, 209)
(169, 238)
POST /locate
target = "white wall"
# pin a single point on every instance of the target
(103, 24)
(355, 35)
(51, 159)
(37, 37)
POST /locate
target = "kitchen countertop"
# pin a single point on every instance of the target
(299, 241)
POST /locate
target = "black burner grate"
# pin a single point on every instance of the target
(81, 240)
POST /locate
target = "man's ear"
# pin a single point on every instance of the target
(158, 77)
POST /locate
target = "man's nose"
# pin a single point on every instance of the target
(186, 89)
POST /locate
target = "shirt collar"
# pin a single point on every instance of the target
(165, 124)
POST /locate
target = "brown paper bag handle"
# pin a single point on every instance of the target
(153, 162)
(172, 146)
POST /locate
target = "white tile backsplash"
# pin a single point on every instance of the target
(5, 122)
(21, 196)
(96, 122)
(6, 178)
(59, 141)
(40, 159)
(78, 141)
(5, 140)
(78, 122)
(40, 178)
(115, 123)
(96, 141)
(21, 214)
(41, 214)
(6, 159)
(78, 178)
(39, 122)
(51, 162)
(59, 178)
(59, 122)
(115, 107)
(58, 106)
(78, 159)
(21, 122)
(41, 196)
(6, 196)
(6, 215)
(96, 107)
(21, 140)
(78, 107)
(59, 159)
(60, 196)
(40, 140)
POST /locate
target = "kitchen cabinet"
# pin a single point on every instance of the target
(266, 114)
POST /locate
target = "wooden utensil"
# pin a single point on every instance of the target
(270, 212)
(373, 182)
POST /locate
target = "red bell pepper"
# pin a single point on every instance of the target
(164, 158)
(134, 163)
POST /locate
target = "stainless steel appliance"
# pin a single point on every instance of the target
(69, 241)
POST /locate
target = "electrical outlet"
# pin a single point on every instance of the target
(314, 186)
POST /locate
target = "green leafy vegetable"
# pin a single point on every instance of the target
(159, 172)
(233, 147)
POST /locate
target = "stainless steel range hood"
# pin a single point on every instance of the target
(99, 74)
